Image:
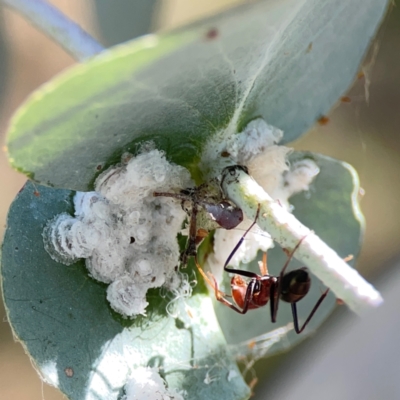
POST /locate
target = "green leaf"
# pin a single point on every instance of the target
(331, 209)
(78, 343)
(287, 61)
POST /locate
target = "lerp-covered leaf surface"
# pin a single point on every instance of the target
(79, 344)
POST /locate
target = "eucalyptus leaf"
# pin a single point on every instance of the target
(287, 61)
(79, 344)
(330, 208)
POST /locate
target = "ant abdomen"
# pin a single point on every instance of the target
(295, 285)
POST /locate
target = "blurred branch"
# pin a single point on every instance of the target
(123, 20)
(56, 25)
(4, 61)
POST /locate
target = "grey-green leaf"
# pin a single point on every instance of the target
(79, 344)
(287, 61)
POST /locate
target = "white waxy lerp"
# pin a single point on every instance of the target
(127, 236)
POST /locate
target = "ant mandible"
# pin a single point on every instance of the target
(290, 287)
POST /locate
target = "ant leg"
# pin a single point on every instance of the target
(191, 248)
(263, 265)
(320, 300)
(220, 296)
(318, 303)
(248, 297)
(290, 256)
(214, 285)
(294, 312)
(191, 241)
(238, 271)
(273, 301)
(178, 196)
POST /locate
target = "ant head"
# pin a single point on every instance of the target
(295, 285)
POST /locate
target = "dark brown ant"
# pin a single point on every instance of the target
(208, 209)
(249, 295)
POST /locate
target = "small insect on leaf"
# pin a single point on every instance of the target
(212, 34)
(323, 120)
(345, 99)
(225, 154)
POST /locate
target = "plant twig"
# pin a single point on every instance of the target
(56, 25)
(286, 230)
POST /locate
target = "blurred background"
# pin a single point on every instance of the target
(347, 358)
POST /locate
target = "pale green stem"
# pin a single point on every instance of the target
(285, 229)
(56, 25)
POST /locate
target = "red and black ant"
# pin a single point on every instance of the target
(208, 209)
(290, 287)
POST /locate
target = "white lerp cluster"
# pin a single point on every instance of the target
(147, 384)
(126, 235)
(257, 148)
